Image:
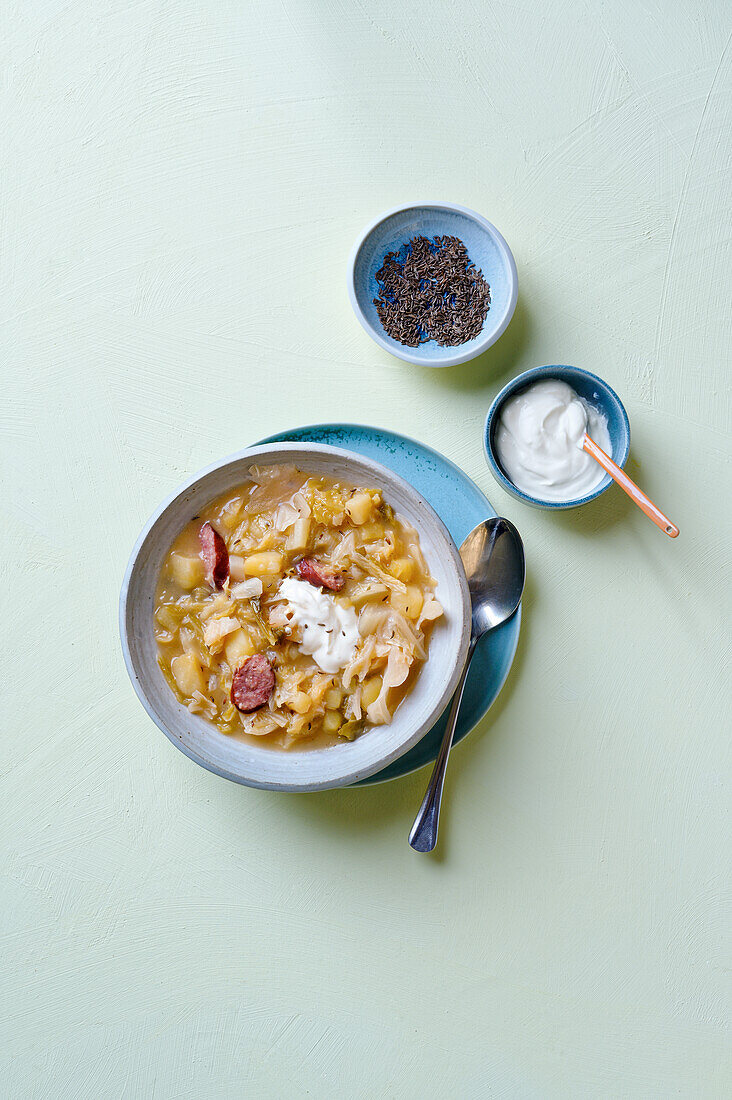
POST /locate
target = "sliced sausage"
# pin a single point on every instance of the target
(215, 556)
(314, 571)
(253, 683)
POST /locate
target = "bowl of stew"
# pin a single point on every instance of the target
(294, 617)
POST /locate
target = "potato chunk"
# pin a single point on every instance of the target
(370, 691)
(333, 698)
(402, 569)
(359, 507)
(298, 537)
(185, 571)
(264, 564)
(300, 702)
(332, 721)
(409, 602)
(414, 601)
(187, 673)
(237, 647)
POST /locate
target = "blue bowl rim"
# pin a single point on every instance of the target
(520, 382)
(484, 341)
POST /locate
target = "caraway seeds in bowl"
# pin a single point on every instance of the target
(431, 290)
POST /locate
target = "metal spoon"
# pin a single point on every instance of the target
(493, 556)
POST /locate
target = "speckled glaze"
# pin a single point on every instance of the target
(486, 248)
(596, 392)
(245, 761)
(461, 506)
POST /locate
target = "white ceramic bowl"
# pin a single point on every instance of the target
(315, 769)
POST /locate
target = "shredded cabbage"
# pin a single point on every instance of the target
(216, 630)
(431, 609)
(220, 605)
(344, 551)
(370, 567)
(300, 502)
(274, 484)
(199, 704)
(358, 666)
(353, 704)
(285, 517)
(247, 590)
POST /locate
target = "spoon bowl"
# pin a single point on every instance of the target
(493, 556)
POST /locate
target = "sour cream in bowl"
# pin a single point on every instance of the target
(535, 430)
(329, 630)
(539, 441)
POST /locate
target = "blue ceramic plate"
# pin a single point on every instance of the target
(461, 506)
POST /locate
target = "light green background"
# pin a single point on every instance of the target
(182, 184)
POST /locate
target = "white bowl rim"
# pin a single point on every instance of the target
(404, 746)
(459, 356)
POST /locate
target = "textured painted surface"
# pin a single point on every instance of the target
(182, 183)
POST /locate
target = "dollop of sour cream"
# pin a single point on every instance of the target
(539, 441)
(329, 631)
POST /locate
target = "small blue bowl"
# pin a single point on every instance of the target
(596, 393)
(486, 248)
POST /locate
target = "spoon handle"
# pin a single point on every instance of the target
(628, 486)
(423, 836)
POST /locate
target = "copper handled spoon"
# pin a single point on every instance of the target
(636, 495)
